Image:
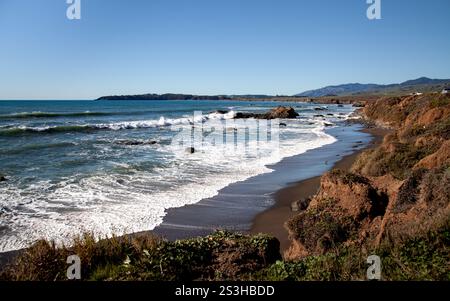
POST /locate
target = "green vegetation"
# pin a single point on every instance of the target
(397, 161)
(441, 129)
(440, 102)
(230, 256)
(222, 255)
(348, 178)
(421, 258)
(319, 231)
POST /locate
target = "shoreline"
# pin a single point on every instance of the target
(272, 221)
(240, 204)
(235, 206)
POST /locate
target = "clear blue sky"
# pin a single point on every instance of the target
(215, 46)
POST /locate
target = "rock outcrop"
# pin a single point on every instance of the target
(276, 113)
(393, 192)
(136, 142)
(343, 211)
(190, 150)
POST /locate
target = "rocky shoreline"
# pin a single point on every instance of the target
(297, 197)
(397, 190)
(394, 201)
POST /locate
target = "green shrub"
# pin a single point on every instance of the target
(420, 258)
(222, 255)
(440, 102)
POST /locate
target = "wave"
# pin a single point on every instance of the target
(86, 128)
(39, 114)
(30, 115)
(23, 130)
(33, 147)
(131, 203)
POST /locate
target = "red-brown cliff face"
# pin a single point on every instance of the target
(395, 191)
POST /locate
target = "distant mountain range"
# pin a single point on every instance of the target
(423, 84)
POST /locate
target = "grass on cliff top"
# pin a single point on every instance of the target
(230, 256)
(399, 163)
(440, 102)
(222, 255)
(420, 258)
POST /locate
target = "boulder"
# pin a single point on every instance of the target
(300, 205)
(221, 111)
(120, 181)
(136, 142)
(341, 212)
(353, 193)
(282, 113)
(2, 178)
(190, 150)
(241, 115)
(276, 113)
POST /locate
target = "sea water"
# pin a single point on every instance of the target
(111, 167)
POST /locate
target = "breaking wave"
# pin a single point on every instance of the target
(86, 128)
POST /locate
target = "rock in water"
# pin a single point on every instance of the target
(136, 142)
(190, 150)
(241, 115)
(282, 112)
(276, 113)
(2, 178)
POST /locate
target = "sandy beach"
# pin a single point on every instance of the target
(262, 203)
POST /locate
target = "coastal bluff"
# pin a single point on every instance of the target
(397, 191)
(394, 202)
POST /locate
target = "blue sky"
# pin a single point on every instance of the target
(215, 47)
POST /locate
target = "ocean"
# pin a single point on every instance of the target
(116, 167)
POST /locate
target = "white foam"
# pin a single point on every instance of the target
(104, 205)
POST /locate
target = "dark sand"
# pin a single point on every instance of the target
(272, 221)
(236, 206)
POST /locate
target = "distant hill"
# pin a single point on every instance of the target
(173, 96)
(168, 96)
(422, 84)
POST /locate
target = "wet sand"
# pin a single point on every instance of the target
(235, 207)
(272, 221)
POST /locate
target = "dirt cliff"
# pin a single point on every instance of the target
(396, 191)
